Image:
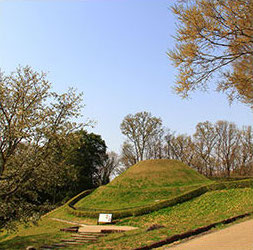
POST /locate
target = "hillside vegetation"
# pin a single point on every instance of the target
(209, 208)
(144, 183)
(212, 207)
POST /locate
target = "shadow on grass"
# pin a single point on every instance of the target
(3, 236)
(21, 242)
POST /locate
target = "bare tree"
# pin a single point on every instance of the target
(109, 167)
(227, 145)
(205, 140)
(128, 157)
(140, 129)
(155, 146)
(245, 157)
(180, 148)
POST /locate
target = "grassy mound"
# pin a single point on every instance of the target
(144, 183)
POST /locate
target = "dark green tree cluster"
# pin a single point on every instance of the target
(87, 160)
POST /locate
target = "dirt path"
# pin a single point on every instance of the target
(69, 222)
(236, 237)
(95, 228)
(99, 228)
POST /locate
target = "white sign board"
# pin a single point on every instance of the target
(106, 218)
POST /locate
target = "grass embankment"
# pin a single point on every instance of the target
(209, 208)
(144, 183)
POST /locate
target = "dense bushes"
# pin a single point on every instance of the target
(158, 205)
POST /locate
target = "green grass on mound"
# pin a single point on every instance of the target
(209, 208)
(144, 183)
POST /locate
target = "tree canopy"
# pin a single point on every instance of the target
(214, 38)
(34, 123)
(87, 160)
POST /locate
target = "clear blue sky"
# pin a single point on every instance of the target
(114, 51)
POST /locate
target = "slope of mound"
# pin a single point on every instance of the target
(144, 183)
(206, 209)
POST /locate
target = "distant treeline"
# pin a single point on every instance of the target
(220, 149)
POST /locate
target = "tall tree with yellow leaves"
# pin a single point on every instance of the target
(215, 39)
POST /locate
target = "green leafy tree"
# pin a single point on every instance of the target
(214, 38)
(86, 166)
(87, 161)
(33, 122)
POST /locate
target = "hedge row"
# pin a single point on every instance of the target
(230, 185)
(231, 178)
(78, 197)
(158, 205)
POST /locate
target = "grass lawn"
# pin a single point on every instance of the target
(46, 232)
(207, 209)
(204, 210)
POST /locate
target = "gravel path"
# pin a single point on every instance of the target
(236, 237)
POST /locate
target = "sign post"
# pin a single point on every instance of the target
(105, 218)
